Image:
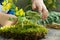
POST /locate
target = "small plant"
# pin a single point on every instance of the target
(28, 32)
(26, 27)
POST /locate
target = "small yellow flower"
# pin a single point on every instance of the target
(16, 9)
(4, 3)
(4, 8)
(21, 12)
(17, 13)
(8, 6)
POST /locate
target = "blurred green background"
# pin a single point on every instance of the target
(50, 4)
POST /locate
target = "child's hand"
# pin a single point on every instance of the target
(4, 19)
(39, 4)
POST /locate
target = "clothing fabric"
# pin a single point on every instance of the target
(1, 5)
(0, 8)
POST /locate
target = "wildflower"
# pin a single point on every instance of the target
(4, 8)
(16, 9)
(8, 5)
(4, 3)
(21, 12)
(17, 13)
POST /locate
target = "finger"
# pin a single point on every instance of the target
(44, 14)
(33, 6)
(39, 8)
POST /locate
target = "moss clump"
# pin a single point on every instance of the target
(28, 32)
(26, 28)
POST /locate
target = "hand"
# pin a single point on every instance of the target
(4, 19)
(39, 4)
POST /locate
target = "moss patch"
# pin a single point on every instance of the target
(28, 32)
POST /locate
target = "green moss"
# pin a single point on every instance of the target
(27, 30)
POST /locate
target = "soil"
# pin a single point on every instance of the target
(53, 34)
